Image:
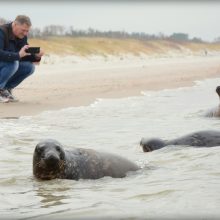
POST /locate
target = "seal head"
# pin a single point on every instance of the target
(151, 144)
(214, 112)
(218, 90)
(48, 160)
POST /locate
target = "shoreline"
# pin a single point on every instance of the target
(69, 84)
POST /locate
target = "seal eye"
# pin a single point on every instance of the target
(58, 149)
(39, 149)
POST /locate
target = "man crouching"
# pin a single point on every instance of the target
(15, 63)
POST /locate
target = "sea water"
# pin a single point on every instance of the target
(176, 182)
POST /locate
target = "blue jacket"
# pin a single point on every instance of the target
(10, 46)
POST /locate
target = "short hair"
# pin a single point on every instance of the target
(23, 19)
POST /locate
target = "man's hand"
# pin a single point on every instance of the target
(39, 55)
(22, 52)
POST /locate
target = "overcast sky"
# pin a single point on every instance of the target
(196, 18)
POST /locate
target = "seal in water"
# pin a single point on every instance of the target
(216, 111)
(207, 138)
(51, 161)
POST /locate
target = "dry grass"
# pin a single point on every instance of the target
(106, 46)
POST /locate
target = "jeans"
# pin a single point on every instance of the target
(13, 73)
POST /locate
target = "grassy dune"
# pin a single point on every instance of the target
(106, 46)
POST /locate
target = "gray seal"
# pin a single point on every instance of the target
(215, 112)
(51, 161)
(208, 138)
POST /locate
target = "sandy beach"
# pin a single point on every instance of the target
(62, 84)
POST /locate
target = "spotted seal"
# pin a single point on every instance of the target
(208, 138)
(215, 112)
(51, 161)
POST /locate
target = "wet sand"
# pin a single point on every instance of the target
(57, 86)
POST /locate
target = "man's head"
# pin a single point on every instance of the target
(21, 26)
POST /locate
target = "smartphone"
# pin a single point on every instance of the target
(33, 50)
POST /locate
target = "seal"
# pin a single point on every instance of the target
(215, 112)
(207, 138)
(51, 161)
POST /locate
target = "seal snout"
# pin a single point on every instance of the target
(51, 159)
(145, 147)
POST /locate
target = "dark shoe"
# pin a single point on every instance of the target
(3, 98)
(12, 98)
(8, 95)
